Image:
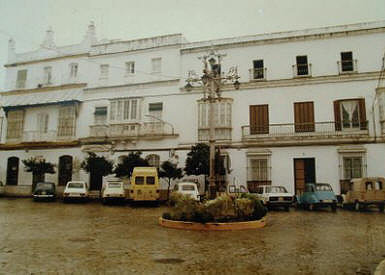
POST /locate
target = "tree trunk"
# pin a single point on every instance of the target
(168, 189)
(37, 177)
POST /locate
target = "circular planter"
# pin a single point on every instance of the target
(213, 226)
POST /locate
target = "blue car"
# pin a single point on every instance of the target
(317, 195)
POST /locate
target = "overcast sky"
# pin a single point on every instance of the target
(27, 20)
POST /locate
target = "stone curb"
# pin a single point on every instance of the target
(212, 226)
(380, 270)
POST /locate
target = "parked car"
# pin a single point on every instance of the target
(365, 192)
(188, 188)
(76, 190)
(236, 190)
(1, 188)
(274, 196)
(317, 195)
(44, 191)
(113, 190)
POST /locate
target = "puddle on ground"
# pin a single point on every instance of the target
(169, 261)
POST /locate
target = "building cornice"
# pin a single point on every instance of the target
(285, 37)
(44, 89)
(39, 145)
(45, 60)
(291, 82)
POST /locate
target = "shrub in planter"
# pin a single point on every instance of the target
(244, 207)
(221, 208)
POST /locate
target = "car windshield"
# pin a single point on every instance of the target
(276, 189)
(188, 187)
(76, 185)
(44, 186)
(150, 180)
(139, 180)
(114, 184)
(323, 187)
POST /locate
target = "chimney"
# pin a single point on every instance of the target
(49, 42)
(11, 50)
(90, 36)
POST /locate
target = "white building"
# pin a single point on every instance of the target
(309, 108)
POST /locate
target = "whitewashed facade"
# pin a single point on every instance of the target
(309, 108)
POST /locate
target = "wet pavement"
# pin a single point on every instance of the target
(57, 238)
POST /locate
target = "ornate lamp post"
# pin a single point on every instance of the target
(211, 81)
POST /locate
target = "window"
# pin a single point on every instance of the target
(124, 110)
(352, 167)
(259, 119)
(15, 124)
(104, 71)
(130, 68)
(350, 114)
(42, 123)
(347, 62)
(258, 69)
(155, 110)
(67, 121)
(139, 180)
(302, 65)
(21, 79)
(304, 117)
(73, 70)
(378, 185)
(100, 115)
(48, 75)
(153, 160)
(150, 180)
(258, 169)
(156, 65)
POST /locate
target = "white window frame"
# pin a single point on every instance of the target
(222, 114)
(74, 68)
(66, 121)
(42, 123)
(350, 127)
(130, 68)
(258, 175)
(15, 124)
(124, 110)
(156, 65)
(104, 71)
(20, 83)
(353, 152)
(47, 75)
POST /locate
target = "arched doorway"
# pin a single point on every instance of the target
(65, 170)
(12, 171)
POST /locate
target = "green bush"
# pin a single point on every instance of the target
(222, 209)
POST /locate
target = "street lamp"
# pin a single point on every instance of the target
(212, 81)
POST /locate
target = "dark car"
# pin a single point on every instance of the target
(44, 191)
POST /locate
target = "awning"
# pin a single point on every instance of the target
(40, 98)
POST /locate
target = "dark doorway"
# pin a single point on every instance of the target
(304, 172)
(65, 170)
(96, 180)
(12, 171)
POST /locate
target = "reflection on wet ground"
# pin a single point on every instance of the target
(50, 238)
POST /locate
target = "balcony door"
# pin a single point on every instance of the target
(65, 169)
(304, 117)
(259, 119)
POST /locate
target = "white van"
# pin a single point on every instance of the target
(188, 188)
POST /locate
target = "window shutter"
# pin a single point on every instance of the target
(337, 115)
(304, 117)
(363, 122)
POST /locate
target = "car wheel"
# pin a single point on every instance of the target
(334, 207)
(381, 207)
(311, 207)
(357, 206)
(287, 208)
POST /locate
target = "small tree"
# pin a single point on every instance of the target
(39, 167)
(170, 171)
(125, 167)
(198, 161)
(98, 167)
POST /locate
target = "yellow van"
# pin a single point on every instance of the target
(144, 184)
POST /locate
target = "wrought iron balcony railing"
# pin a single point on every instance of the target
(256, 74)
(312, 129)
(301, 70)
(347, 66)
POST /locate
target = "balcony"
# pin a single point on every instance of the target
(257, 74)
(132, 130)
(299, 133)
(221, 134)
(301, 70)
(37, 136)
(347, 66)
